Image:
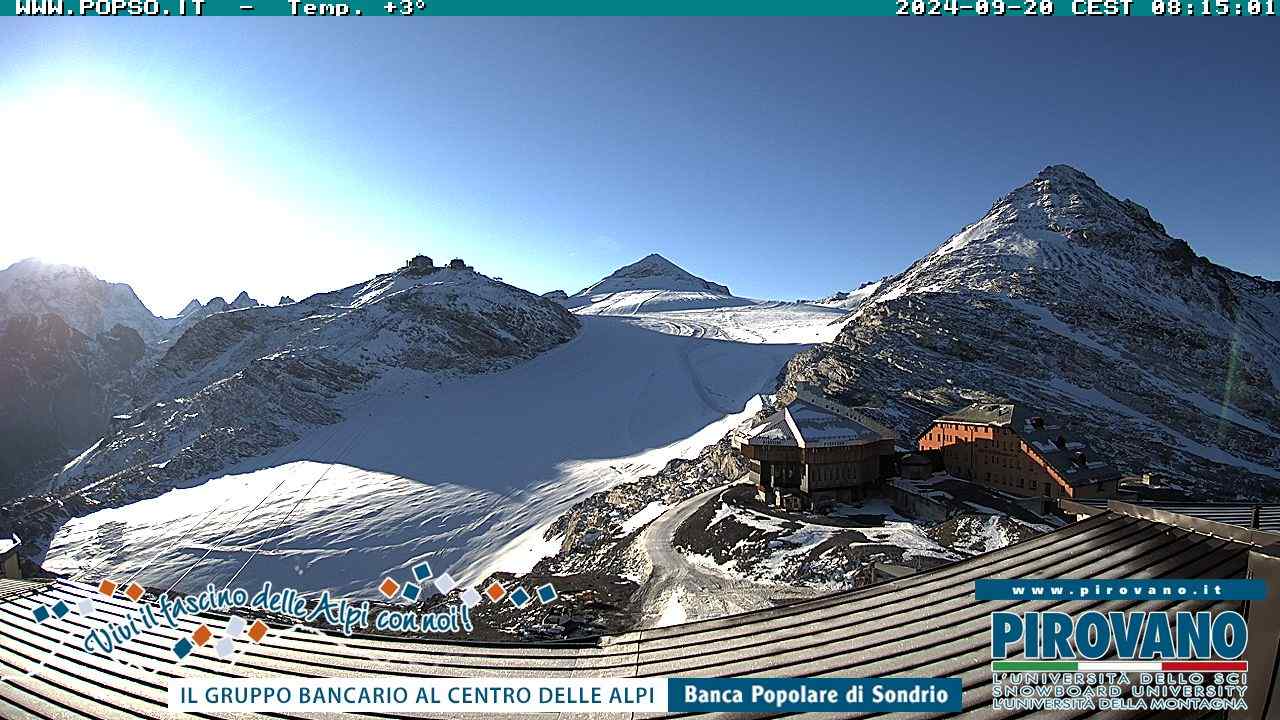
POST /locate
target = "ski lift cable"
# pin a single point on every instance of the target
(341, 453)
(332, 434)
(292, 510)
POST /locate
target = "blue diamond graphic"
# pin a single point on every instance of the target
(41, 612)
(182, 648)
(60, 610)
(422, 572)
(520, 597)
(411, 592)
(546, 593)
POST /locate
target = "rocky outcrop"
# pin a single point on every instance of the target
(1078, 303)
(238, 384)
(60, 388)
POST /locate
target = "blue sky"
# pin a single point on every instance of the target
(784, 157)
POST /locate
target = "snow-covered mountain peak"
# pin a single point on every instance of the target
(243, 301)
(652, 284)
(1071, 300)
(1055, 236)
(265, 373)
(654, 272)
(87, 303)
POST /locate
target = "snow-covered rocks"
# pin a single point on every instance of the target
(85, 302)
(241, 382)
(1078, 303)
(651, 284)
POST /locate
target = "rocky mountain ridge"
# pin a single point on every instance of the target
(239, 384)
(60, 386)
(1069, 299)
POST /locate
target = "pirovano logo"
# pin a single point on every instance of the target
(1128, 659)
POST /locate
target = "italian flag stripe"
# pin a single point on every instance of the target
(1118, 666)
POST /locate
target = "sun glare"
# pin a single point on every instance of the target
(91, 177)
(128, 190)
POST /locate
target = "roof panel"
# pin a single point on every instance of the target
(924, 625)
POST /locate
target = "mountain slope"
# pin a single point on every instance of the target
(463, 470)
(195, 311)
(651, 284)
(87, 303)
(1067, 298)
(852, 299)
(241, 382)
(59, 386)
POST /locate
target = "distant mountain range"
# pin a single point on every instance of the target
(1071, 300)
(246, 375)
(1061, 296)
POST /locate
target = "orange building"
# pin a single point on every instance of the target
(1011, 449)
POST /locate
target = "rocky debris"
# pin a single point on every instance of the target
(741, 536)
(588, 605)
(974, 533)
(594, 538)
(1077, 303)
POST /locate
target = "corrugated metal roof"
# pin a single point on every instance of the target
(1239, 514)
(773, 431)
(819, 427)
(925, 625)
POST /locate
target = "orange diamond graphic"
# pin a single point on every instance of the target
(258, 630)
(389, 588)
(134, 591)
(106, 587)
(495, 591)
(201, 635)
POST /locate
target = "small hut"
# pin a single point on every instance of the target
(419, 265)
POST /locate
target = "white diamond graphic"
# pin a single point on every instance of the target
(235, 626)
(445, 583)
(225, 647)
(470, 597)
(86, 607)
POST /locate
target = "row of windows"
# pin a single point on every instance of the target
(1022, 483)
(946, 438)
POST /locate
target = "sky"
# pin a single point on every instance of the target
(786, 158)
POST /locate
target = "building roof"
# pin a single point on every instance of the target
(773, 431)
(1066, 452)
(814, 426)
(1239, 514)
(983, 414)
(925, 625)
(811, 420)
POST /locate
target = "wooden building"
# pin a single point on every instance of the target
(1017, 451)
(815, 452)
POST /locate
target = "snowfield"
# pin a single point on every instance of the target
(464, 472)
